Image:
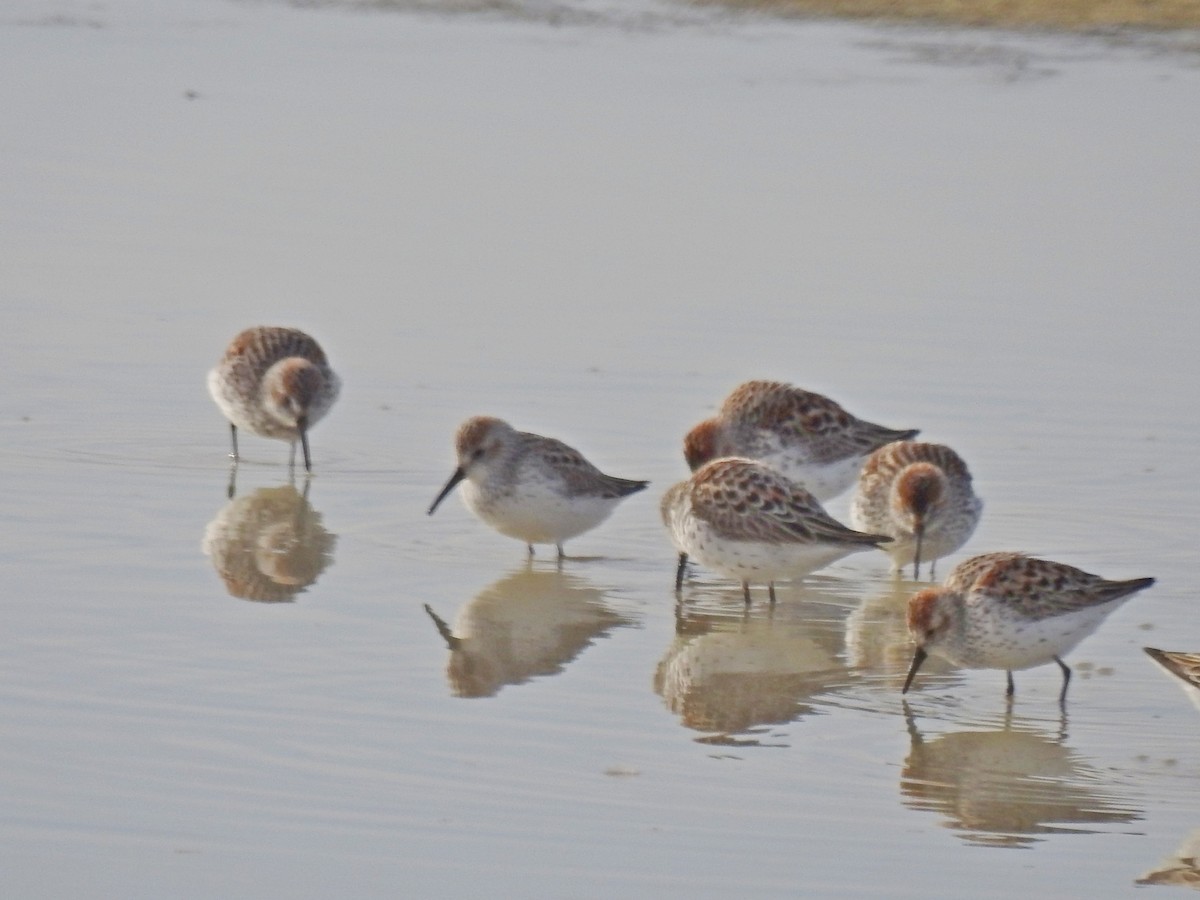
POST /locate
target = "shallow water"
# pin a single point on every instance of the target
(594, 226)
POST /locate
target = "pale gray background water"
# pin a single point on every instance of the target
(593, 221)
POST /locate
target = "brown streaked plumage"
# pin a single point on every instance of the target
(275, 382)
(920, 494)
(749, 522)
(806, 436)
(1011, 611)
(1183, 667)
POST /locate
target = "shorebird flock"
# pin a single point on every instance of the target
(751, 510)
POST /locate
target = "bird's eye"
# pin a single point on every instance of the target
(478, 453)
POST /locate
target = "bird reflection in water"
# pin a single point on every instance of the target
(530, 623)
(733, 675)
(1005, 787)
(878, 643)
(269, 545)
(1180, 870)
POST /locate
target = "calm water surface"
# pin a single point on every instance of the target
(593, 221)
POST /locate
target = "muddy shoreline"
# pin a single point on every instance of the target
(1060, 15)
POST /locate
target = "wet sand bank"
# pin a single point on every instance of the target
(1058, 15)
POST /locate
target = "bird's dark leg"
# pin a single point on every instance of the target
(771, 591)
(1011, 687)
(680, 571)
(1066, 670)
(746, 591)
(233, 434)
